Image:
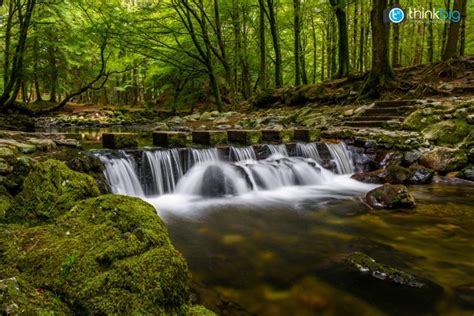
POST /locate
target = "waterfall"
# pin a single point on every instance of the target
(278, 150)
(342, 157)
(309, 150)
(121, 175)
(164, 168)
(202, 171)
(242, 153)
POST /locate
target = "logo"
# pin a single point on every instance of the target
(396, 15)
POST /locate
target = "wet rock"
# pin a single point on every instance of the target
(392, 174)
(411, 157)
(224, 127)
(390, 196)
(464, 294)
(217, 183)
(421, 175)
(368, 266)
(468, 173)
(161, 126)
(50, 189)
(443, 159)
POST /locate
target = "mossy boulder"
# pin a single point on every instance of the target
(417, 121)
(50, 190)
(394, 174)
(109, 255)
(17, 297)
(443, 159)
(390, 196)
(447, 133)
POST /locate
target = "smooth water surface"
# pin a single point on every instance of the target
(274, 252)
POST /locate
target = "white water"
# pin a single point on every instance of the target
(342, 157)
(121, 175)
(205, 175)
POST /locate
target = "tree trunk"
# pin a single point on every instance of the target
(463, 28)
(451, 49)
(297, 46)
(430, 37)
(354, 35)
(35, 69)
(343, 41)
(54, 73)
(396, 42)
(276, 43)
(315, 55)
(361, 38)
(262, 46)
(381, 72)
(445, 30)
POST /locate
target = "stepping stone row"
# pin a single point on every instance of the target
(211, 138)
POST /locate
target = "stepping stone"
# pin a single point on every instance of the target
(244, 137)
(280, 136)
(307, 135)
(210, 138)
(119, 140)
(171, 139)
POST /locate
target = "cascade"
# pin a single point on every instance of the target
(242, 153)
(342, 158)
(164, 169)
(121, 175)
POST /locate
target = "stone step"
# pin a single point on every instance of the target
(388, 111)
(244, 137)
(210, 138)
(171, 139)
(394, 103)
(280, 136)
(306, 135)
(119, 140)
(377, 118)
(365, 123)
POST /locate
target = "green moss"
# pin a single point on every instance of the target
(108, 255)
(5, 201)
(217, 137)
(416, 121)
(253, 137)
(197, 310)
(50, 190)
(448, 132)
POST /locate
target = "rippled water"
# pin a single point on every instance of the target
(275, 252)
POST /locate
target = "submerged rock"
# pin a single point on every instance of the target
(390, 196)
(464, 294)
(50, 190)
(397, 175)
(369, 266)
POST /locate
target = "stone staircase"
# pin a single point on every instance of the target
(382, 113)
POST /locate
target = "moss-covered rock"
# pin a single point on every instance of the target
(17, 297)
(390, 196)
(197, 310)
(50, 190)
(5, 201)
(443, 159)
(447, 133)
(417, 121)
(109, 255)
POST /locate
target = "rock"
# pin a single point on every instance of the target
(390, 196)
(50, 190)
(68, 142)
(348, 113)
(448, 132)
(416, 121)
(109, 255)
(161, 126)
(464, 294)
(43, 144)
(198, 311)
(468, 173)
(7, 153)
(368, 266)
(20, 298)
(394, 124)
(176, 120)
(222, 120)
(470, 118)
(224, 127)
(5, 167)
(443, 159)
(421, 175)
(207, 116)
(411, 157)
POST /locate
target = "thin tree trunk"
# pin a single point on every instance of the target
(315, 55)
(463, 28)
(343, 40)
(445, 29)
(35, 69)
(354, 35)
(430, 37)
(276, 43)
(297, 46)
(396, 42)
(262, 46)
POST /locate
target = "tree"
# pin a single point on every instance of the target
(297, 31)
(343, 42)
(451, 49)
(381, 73)
(271, 15)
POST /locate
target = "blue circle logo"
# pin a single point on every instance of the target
(396, 15)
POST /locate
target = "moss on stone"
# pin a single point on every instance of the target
(448, 132)
(50, 190)
(108, 255)
(443, 159)
(417, 121)
(197, 310)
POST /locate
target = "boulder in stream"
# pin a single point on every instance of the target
(390, 196)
